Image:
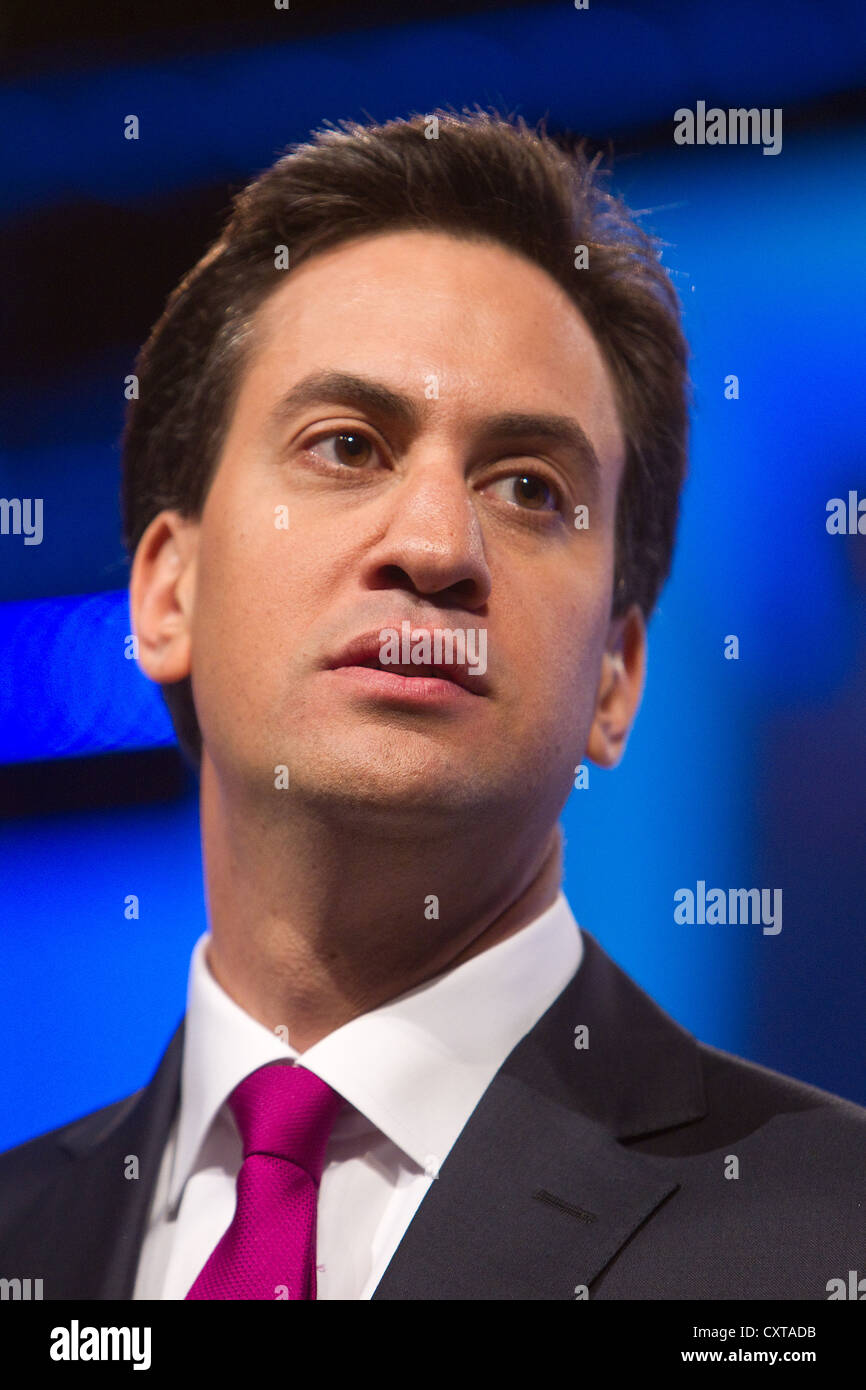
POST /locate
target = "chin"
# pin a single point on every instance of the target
(418, 799)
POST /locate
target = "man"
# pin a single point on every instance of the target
(401, 489)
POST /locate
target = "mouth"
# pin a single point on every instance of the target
(419, 681)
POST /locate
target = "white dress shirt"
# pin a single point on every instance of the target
(412, 1072)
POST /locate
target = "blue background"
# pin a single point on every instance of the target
(746, 773)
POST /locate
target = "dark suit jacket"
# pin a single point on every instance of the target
(602, 1167)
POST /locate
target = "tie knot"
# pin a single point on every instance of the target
(287, 1111)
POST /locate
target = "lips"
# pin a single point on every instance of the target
(364, 649)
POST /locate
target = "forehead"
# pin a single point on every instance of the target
(493, 329)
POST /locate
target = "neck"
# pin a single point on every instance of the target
(314, 922)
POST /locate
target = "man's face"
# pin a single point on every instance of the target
(405, 503)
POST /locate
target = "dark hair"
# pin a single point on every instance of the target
(476, 175)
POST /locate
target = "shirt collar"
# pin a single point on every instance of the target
(416, 1067)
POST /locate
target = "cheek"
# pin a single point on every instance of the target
(235, 607)
(565, 657)
(260, 586)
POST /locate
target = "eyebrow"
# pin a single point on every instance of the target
(346, 388)
(375, 398)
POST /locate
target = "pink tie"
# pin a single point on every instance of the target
(285, 1115)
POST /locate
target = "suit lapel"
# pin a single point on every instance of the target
(84, 1236)
(537, 1195)
(532, 1201)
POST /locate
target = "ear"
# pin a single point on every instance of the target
(623, 670)
(161, 596)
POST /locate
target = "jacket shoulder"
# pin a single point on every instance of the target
(743, 1099)
(28, 1168)
(736, 1082)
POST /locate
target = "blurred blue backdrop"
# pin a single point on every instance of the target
(746, 773)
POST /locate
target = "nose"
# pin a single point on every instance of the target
(430, 537)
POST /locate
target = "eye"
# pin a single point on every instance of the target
(530, 491)
(351, 448)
